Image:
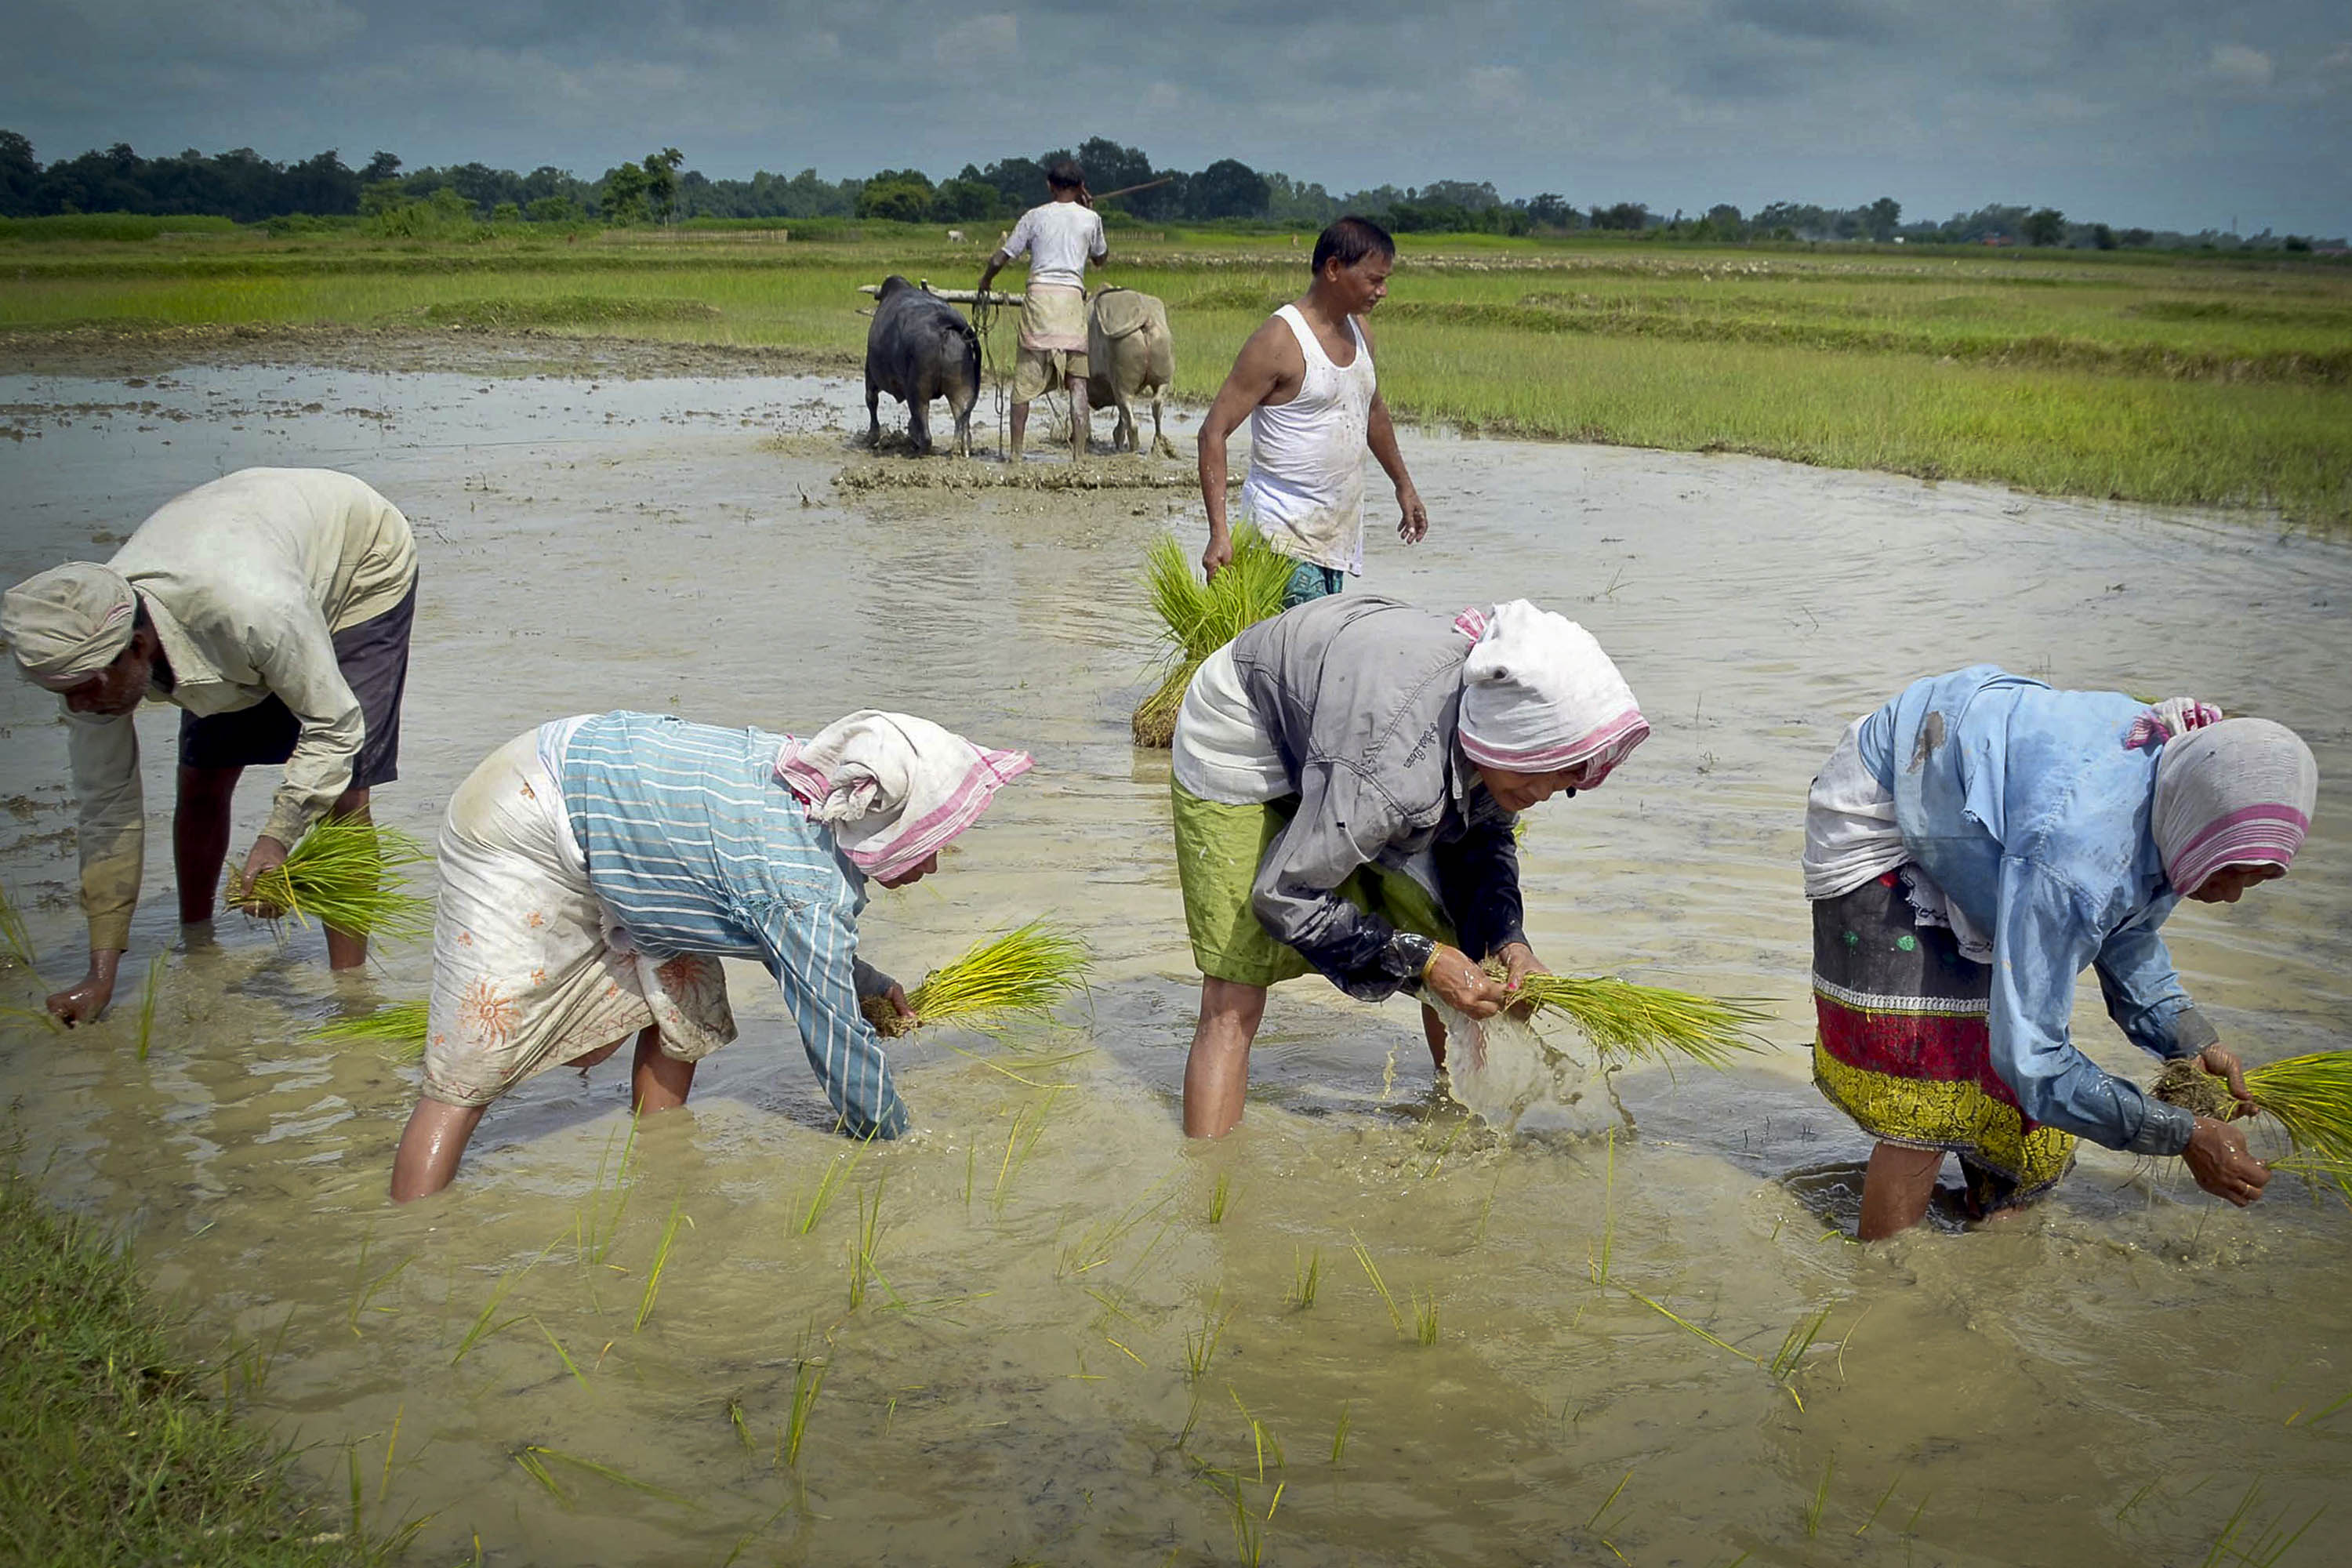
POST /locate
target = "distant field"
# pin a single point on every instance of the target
(2149, 378)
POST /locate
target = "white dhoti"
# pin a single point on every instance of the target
(529, 970)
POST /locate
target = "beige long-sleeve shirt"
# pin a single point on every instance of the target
(247, 580)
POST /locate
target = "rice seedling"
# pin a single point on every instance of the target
(1307, 1278)
(366, 1288)
(1599, 1269)
(1821, 1497)
(246, 1367)
(15, 938)
(1793, 1338)
(2268, 1545)
(561, 1353)
(1882, 1498)
(1094, 1249)
(1196, 619)
(607, 1472)
(1609, 1498)
(1339, 1431)
(30, 1016)
(1026, 972)
(1201, 1344)
(484, 1328)
(345, 873)
(1372, 1272)
(401, 1024)
(661, 1261)
(838, 1169)
(1798, 1339)
(147, 997)
(744, 1428)
(861, 1261)
(1261, 1438)
(528, 1459)
(1220, 1197)
(1652, 1023)
(593, 1227)
(808, 1381)
(1424, 1317)
(1030, 1120)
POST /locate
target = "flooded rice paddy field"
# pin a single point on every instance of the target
(1044, 1327)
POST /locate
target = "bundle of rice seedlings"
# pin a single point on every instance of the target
(2311, 1098)
(400, 1025)
(1654, 1023)
(345, 873)
(1029, 969)
(1197, 617)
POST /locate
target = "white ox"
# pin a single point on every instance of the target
(1130, 354)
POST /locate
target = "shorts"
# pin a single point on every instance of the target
(1218, 851)
(1309, 581)
(374, 658)
(1036, 372)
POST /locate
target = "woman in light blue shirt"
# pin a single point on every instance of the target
(1970, 848)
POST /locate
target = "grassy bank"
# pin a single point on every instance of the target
(115, 1454)
(2168, 380)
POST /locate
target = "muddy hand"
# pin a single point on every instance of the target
(2217, 1157)
(1519, 961)
(1413, 518)
(85, 1002)
(2225, 1065)
(268, 855)
(1461, 986)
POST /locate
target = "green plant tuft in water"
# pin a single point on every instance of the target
(15, 938)
(346, 873)
(1026, 972)
(1197, 617)
(400, 1025)
(147, 1005)
(1307, 1278)
(1654, 1023)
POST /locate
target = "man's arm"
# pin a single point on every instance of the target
(812, 951)
(113, 838)
(302, 672)
(996, 264)
(1380, 434)
(1258, 372)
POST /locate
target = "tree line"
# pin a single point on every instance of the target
(243, 185)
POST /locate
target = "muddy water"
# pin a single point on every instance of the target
(1005, 1375)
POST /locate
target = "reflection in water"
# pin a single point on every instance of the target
(1035, 1272)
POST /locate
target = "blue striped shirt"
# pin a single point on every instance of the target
(697, 848)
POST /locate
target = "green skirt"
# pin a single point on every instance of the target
(1218, 850)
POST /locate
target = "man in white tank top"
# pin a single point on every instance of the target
(1305, 383)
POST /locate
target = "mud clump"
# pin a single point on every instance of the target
(886, 1019)
(969, 474)
(2192, 1087)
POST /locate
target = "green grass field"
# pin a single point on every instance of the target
(121, 1450)
(2163, 379)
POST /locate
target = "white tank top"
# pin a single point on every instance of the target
(1305, 484)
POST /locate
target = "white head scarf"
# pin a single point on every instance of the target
(893, 787)
(2239, 792)
(1539, 696)
(69, 623)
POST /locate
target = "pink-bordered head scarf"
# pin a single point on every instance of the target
(2238, 792)
(894, 788)
(1539, 696)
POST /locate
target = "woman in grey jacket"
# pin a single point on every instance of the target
(1345, 780)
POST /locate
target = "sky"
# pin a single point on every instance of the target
(2178, 115)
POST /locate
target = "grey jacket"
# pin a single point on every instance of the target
(1362, 696)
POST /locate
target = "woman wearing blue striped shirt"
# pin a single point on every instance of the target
(594, 871)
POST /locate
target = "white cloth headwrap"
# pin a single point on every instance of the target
(69, 623)
(1539, 696)
(2239, 792)
(893, 787)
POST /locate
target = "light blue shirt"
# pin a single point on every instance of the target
(697, 846)
(2025, 806)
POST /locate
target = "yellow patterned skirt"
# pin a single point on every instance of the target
(1902, 1046)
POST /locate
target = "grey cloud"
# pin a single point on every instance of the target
(2156, 111)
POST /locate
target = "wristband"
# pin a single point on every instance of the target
(1434, 954)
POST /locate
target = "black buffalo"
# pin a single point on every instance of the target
(917, 348)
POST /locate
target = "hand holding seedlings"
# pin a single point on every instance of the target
(268, 855)
(2217, 1157)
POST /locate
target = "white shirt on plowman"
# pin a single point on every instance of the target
(1060, 238)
